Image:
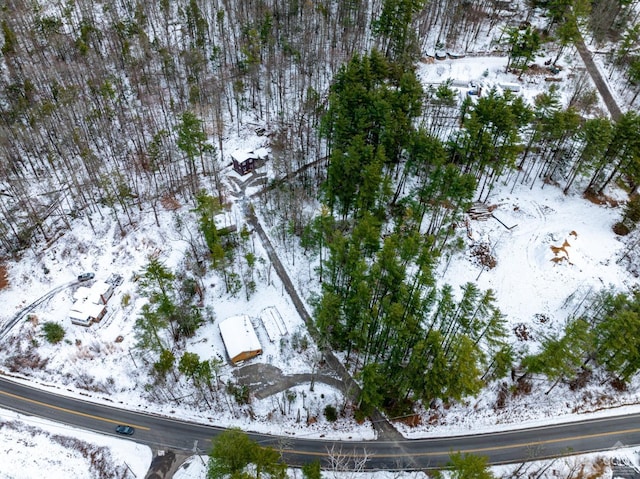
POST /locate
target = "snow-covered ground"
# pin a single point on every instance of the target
(535, 292)
(490, 72)
(32, 447)
(538, 284)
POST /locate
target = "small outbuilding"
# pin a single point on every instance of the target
(240, 338)
(273, 323)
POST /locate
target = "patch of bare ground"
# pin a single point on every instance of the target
(600, 199)
(29, 360)
(411, 420)
(4, 277)
(522, 387)
(541, 318)
(619, 385)
(503, 395)
(481, 252)
(621, 229)
(590, 402)
(434, 418)
(170, 203)
(522, 332)
(581, 379)
(535, 69)
(599, 469)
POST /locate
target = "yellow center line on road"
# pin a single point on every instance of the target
(70, 411)
(553, 441)
(365, 453)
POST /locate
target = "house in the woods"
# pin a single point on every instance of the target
(245, 161)
(83, 313)
(239, 338)
(99, 293)
(89, 305)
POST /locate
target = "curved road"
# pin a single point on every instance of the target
(502, 447)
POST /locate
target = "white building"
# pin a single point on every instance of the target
(99, 293)
(83, 313)
(89, 305)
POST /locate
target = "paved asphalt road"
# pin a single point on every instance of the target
(167, 433)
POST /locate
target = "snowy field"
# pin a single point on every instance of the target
(537, 294)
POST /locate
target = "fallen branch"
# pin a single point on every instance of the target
(508, 227)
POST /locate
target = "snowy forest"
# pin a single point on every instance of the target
(115, 108)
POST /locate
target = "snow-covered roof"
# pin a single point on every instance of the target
(94, 294)
(100, 287)
(81, 293)
(273, 323)
(84, 309)
(243, 155)
(510, 86)
(239, 336)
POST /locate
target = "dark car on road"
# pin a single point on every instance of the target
(86, 276)
(127, 430)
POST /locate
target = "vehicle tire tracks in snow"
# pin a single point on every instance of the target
(13, 321)
(534, 239)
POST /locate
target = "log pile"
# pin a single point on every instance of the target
(481, 211)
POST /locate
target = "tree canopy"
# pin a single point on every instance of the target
(235, 455)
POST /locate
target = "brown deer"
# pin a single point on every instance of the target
(560, 259)
(557, 250)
